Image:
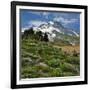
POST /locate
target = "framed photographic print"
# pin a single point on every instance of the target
(48, 44)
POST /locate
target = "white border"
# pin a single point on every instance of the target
(55, 79)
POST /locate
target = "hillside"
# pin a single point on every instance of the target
(41, 59)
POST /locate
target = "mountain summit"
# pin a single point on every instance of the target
(54, 30)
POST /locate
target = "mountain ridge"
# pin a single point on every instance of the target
(55, 30)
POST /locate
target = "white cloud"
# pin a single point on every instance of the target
(35, 12)
(36, 23)
(45, 14)
(65, 21)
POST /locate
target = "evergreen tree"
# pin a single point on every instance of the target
(45, 37)
(39, 36)
(28, 33)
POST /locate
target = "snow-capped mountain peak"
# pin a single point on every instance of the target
(48, 28)
(54, 29)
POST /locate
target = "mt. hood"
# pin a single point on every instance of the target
(55, 30)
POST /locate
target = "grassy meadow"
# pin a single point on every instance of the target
(44, 59)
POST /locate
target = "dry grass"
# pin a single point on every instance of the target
(69, 49)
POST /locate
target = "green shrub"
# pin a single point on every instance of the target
(53, 63)
(56, 72)
(73, 60)
(66, 67)
(27, 62)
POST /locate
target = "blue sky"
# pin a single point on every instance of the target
(30, 18)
